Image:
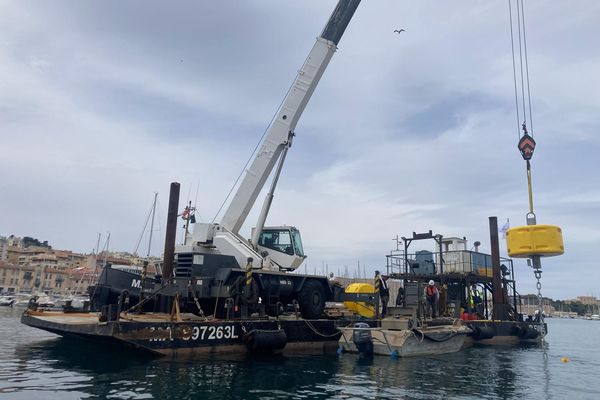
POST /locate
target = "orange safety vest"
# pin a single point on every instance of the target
(430, 291)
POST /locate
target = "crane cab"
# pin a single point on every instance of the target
(284, 246)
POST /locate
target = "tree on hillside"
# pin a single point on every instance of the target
(29, 241)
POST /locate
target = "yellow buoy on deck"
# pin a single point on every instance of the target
(534, 240)
(363, 309)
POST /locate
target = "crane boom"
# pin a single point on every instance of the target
(282, 128)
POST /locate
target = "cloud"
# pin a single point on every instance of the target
(102, 104)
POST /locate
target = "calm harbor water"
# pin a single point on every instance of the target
(39, 365)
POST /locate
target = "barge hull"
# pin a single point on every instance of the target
(156, 334)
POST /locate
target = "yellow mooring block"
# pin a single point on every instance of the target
(534, 240)
(364, 309)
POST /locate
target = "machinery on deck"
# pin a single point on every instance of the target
(216, 270)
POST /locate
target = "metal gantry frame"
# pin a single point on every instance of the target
(399, 262)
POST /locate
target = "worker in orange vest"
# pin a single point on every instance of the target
(432, 296)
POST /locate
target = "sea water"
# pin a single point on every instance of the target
(38, 365)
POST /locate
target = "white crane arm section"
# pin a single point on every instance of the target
(279, 134)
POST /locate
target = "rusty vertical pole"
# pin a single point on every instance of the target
(169, 253)
(499, 307)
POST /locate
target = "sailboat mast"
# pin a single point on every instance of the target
(106, 250)
(97, 248)
(152, 224)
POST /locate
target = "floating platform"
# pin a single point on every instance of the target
(193, 335)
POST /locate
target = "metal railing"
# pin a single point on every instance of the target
(457, 261)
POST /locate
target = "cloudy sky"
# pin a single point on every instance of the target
(104, 103)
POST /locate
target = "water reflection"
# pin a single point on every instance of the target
(474, 371)
(100, 370)
(34, 364)
(81, 355)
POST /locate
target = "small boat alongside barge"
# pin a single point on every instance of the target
(389, 341)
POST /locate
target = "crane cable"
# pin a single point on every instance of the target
(526, 142)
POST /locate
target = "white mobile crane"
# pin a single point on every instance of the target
(272, 248)
(218, 269)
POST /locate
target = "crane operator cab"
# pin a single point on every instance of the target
(284, 246)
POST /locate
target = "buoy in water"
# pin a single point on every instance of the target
(565, 359)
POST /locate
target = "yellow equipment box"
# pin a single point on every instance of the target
(534, 240)
(364, 309)
(483, 271)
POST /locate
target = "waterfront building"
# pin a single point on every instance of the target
(3, 248)
(15, 279)
(588, 300)
(32, 268)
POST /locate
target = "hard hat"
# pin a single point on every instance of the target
(431, 283)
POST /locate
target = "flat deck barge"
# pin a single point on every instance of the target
(192, 335)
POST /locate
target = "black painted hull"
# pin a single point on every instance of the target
(152, 333)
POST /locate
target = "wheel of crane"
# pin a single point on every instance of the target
(312, 300)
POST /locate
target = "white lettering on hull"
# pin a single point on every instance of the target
(198, 332)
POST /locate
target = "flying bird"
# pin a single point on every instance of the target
(398, 31)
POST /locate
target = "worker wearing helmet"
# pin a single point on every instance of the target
(475, 301)
(381, 286)
(431, 295)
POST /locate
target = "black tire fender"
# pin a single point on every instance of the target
(483, 332)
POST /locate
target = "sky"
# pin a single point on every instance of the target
(102, 104)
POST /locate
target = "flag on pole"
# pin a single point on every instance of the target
(505, 228)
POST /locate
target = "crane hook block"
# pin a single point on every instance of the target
(534, 240)
(526, 146)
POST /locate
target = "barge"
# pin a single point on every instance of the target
(238, 329)
(478, 289)
(219, 292)
(191, 335)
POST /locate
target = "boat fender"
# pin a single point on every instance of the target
(340, 350)
(525, 332)
(519, 331)
(394, 354)
(259, 340)
(532, 333)
(483, 332)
